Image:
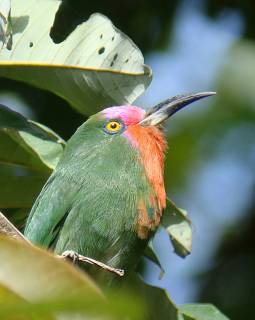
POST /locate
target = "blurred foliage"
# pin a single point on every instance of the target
(245, 7)
(36, 285)
(230, 282)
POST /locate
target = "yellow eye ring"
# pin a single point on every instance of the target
(113, 126)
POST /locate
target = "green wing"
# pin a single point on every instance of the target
(50, 210)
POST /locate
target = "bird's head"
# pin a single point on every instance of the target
(139, 127)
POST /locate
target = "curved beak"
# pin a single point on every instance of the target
(162, 111)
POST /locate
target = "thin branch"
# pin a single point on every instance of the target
(74, 256)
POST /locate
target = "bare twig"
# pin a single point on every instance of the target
(74, 256)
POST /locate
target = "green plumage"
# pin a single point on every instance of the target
(90, 202)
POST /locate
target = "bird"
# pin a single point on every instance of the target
(106, 197)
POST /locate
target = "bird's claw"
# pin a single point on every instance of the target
(71, 255)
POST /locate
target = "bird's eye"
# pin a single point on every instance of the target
(113, 126)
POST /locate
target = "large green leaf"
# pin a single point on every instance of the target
(34, 274)
(178, 226)
(96, 65)
(47, 284)
(200, 311)
(9, 301)
(24, 142)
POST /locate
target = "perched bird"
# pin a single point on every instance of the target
(106, 197)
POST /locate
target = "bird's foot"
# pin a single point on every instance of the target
(74, 257)
(71, 255)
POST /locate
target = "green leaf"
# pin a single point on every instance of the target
(8, 300)
(96, 65)
(34, 274)
(8, 296)
(179, 228)
(27, 143)
(151, 254)
(50, 285)
(201, 312)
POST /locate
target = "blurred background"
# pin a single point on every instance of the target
(210, 166)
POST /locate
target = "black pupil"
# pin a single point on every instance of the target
(113, 125)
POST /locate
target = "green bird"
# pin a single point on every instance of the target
(106, 197)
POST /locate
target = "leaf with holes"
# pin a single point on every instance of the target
(96, 65)
(178, 226)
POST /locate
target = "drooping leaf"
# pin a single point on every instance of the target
(24, 142)
(5, 24)
(96, 65)
(151, 254)
(201, 311)
(179, 228)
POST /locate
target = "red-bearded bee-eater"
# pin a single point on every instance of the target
(106, 197)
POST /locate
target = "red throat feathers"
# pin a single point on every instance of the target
(151, 143)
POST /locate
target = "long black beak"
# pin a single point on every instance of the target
(167, 108)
